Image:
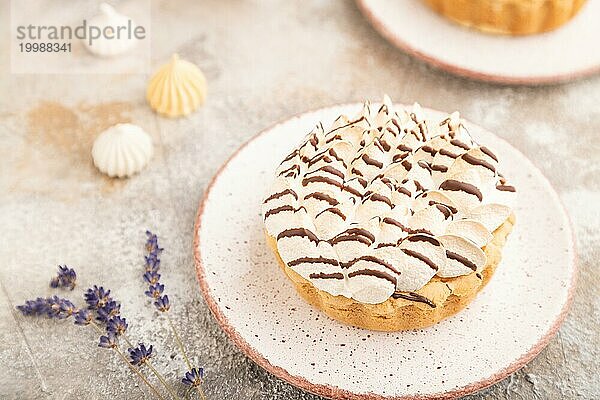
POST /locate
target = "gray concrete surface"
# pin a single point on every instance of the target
(264, 61)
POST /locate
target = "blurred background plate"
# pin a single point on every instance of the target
(507, 324)
(569, 52)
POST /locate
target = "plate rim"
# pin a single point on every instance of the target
(334, 392)
(382, 29)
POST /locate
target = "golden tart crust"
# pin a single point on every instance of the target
(511, 17)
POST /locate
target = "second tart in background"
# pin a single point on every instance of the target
(509, 17)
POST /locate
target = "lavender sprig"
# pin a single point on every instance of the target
(151, 275)
(151, 278)
(117, 325)
(83, 317)
(108, 341)
(140, 354)
(194, 378)
(102, 312)
(161, 301)
(96, 297)
(66, 278)
(108, 314)
(35, 307)
(59, 308)
(155, 291)
(50, 307)
(66, 309)
(109, 310)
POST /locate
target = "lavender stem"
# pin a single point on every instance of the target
(183, 353)
(134, 369)
(179, 342)
(161, 379)
(138, 373)
(158, 375)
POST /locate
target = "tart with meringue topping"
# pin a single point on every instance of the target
(389, 220)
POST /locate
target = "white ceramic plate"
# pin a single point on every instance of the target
(508, 323)
(568, 52)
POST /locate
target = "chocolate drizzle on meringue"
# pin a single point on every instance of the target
(322, 275)
(281, 209)
(375, 273)
(476, 161)
(371, 161)
(322, 179)
(424, 238)
(489, 153)
(320, 196)
(421, 257)
(333, 210)
(301, 232)
(463, 260)
(460, 144)
(455, 185)
(372, 259)
(329, 169)
(312, 260)
(379, 200)
(281, 194)
(411, 296)
(506, 188)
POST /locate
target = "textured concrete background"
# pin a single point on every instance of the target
(264, 61)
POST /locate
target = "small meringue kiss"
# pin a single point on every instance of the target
(122, 150)
(109, 20)
(177, 88)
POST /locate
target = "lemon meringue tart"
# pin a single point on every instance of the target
(389, 220)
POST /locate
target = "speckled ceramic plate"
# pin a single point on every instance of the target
(568, 52)
(508, 323)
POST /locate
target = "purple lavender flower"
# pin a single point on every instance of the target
(83, 317)
(35, 307)
(152, 243)
(110, 309)
(152, 277)
(65, 278)
(194, 377)
(140, 354)
(67, 309)
(59, 308)
(162, 303)
(155, 291)
(152, 262)
(96, 297)
(51, 307)
(116, 325)
(108, 341)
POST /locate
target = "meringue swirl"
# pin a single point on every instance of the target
(381, 203)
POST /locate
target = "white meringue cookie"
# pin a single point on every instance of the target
(177, 88)
(490, 215)
(424, 256)
(462, 256)
(432, 197)
(122, 150)
(470, 229)
(430, 220)
(107, 19)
